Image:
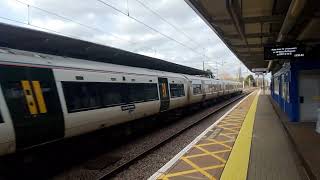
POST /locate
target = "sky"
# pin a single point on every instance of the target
(165, 29)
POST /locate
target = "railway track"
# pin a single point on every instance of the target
(110, 172)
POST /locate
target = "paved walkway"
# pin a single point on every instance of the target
(271, 152)
(305, 140)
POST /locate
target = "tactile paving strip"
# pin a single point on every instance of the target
(207, 158)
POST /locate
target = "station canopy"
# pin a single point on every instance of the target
(38, 41)
(246, 26)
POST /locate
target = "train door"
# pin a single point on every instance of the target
(33, 102)
(164, 94)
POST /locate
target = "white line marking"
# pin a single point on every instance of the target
(169, 164)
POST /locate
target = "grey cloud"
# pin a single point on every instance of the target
(141, 39)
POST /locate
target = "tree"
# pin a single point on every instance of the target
(252, 81)
(209, 73)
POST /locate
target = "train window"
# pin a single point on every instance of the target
(15, 96)
(196, 89)
(206, 88)
(216, 87)
(113, 94)
(285, 88)
(177, 90)
(141, 92)
(81, 96)
(212, 88)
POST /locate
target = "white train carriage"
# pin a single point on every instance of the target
(45, 98)
(178, 90)
(196, 90)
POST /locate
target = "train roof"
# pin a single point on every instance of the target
(32, 58)
(42, 42)
(18, 56)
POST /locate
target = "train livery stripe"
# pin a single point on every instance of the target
(29, 97)
(38, 92)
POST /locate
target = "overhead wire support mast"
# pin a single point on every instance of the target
(155, 30)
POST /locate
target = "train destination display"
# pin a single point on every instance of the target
(283, 52)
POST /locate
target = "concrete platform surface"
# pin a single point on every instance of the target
(272, 155)
(248, 143)
(306, 142)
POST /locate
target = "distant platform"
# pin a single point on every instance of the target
(38, 41)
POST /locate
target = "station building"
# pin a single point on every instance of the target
(296, 89)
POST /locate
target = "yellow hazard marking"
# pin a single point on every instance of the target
(221, 143)
(237, 165)
(211, 154)
(189, 171)
(212, 148)
(228, 135)
(39, 96)
(29, 97)
(204, 154)
(216, 142)
(197, 168)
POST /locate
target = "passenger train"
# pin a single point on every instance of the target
(44, 98)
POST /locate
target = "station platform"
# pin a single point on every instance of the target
(248, 142)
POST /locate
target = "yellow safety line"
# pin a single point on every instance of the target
(237, 165)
